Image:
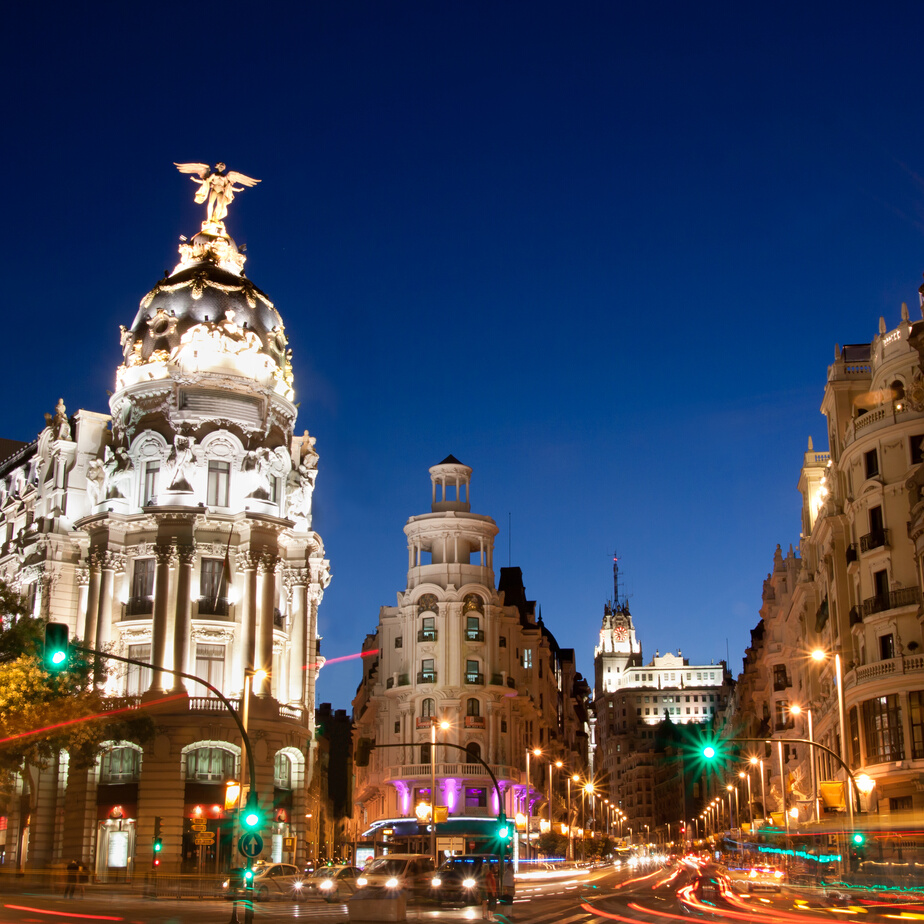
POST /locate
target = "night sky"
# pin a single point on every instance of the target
(600, 252)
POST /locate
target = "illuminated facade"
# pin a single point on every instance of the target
(177, 530)
(631, 699)
(856, 589)
(460, 650)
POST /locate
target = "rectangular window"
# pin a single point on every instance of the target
(882, 723)
(219, 484)
(143, 578)
(475, 797)
(872, 463)
(875, 519)
(210, 666)
(138, 679)
(917, 449)
(855, 737)
(886, 647)
(427, 671)
(210, 575)
(399, 642)
(527, 657)
(149, 488)
(502, 641)
(916, 705)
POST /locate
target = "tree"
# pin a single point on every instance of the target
(42, 713)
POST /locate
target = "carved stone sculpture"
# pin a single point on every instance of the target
(96, 478)
(119, 468)
(217, 187)
(181, 460)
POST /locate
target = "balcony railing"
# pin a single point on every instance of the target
(426, 677)
(213, 606)
(893, 600)
(211, 704)
(474, 721)
(472, 677)
(909, 664)
(474, 635)
(874, 540)
(402, 680)
(426, 635)
(423, 721)
(852, 554)
(140, 606)
(780, 725)
(781, 683)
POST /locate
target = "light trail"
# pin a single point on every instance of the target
(349, 657)
(64, 914)
(92, 718)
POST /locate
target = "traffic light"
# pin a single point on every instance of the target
(858, 839)
(158, 846)
(248, 877)
(709, 751)
(252, 817)
(503, 829)
(56, 647)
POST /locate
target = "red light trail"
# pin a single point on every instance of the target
(349, 657)
(64, 914)
(90, 718)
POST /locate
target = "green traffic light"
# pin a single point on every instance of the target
(248, 874)
(502, 834)
(56, 643)
(708, 752)
(859, 838)
(251, 819)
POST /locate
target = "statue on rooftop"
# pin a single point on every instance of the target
(217, 187)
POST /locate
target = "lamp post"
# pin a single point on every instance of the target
(587, 790)
(796, 709)
(444, 725)
(574, 778)
(745, 775)
(759, 761)
(820, 655)
(529, 809)
(559, 765)
(779, 750)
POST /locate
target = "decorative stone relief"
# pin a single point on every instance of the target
(212, 635)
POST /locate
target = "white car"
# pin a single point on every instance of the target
(270, 880)
(333, 883)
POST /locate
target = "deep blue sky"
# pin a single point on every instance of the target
(601, 252)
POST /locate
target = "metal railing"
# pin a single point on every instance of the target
(213, 606)
(140, 606)
(474, 678)
(474, 635)
(426, 635)
(426, 677)
(876, 539)
(893, 600)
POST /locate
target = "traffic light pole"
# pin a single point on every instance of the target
(248, 750)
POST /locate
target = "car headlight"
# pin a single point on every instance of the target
(327, 884)
(468, 883)
(226, 883)
(392, 883)
(436, 882)
(362, 881)
(298, 885)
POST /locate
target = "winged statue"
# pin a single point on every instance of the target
(216, 186)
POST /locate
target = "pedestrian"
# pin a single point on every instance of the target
(73, 869)
(489, 883)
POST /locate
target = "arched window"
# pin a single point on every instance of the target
(428, 708)
(282, 771)
(473, 707)
(473, 630)
(898, 391)
(472, 752)
(120, 765)
(210, 765)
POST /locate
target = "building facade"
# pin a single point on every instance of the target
(177, 531)
(854, 596)
(631, 702)
(460, 650)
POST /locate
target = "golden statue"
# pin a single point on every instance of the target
(217, 187)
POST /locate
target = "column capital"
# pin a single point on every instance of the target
(268, 561)
(186, 554)
(247, 561)
(111, 561)
(297, 577)
(82, 575)
(166, 554)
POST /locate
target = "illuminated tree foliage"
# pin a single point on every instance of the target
(42, 713)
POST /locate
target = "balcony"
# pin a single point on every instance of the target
(140, 606)
(213, 606)
(474, 678)
(856, 617)
(401, 680)
(463, 771)
(877, 539)
(426, 677)
(426, 635)
(893, 600)
(782, 725)
(781, 683)
(873, 673)
(211, 704)
(852, 554)
(474, 721)
(423, 721)
(474, 635)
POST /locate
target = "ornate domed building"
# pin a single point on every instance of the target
(178, 532)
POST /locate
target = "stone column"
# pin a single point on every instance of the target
(92, 614)
(298, 633)
(110, 562)
(247, 563)
(82, 577)
(314, 594)
(264, 659)
(183, 623)
(166, 556)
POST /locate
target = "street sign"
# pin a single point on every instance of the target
(288, 844)
(442, 814)
(200, 826)
(204, 839)
(250, 845)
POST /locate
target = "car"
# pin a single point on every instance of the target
(764, 878)
(460, 880)
(333, 883)
(270, 880)
(402, 872)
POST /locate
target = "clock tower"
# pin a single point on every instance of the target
(618, 648)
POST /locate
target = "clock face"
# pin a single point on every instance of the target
(620, 633)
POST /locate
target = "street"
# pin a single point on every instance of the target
(598, 897)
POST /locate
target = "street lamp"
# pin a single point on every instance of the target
(574, 778)
(819, 654)
(744, 775)
(443, 725)
(759, 761)
(796, 709)
(559, 765)
(587, 790)
(536, 752)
